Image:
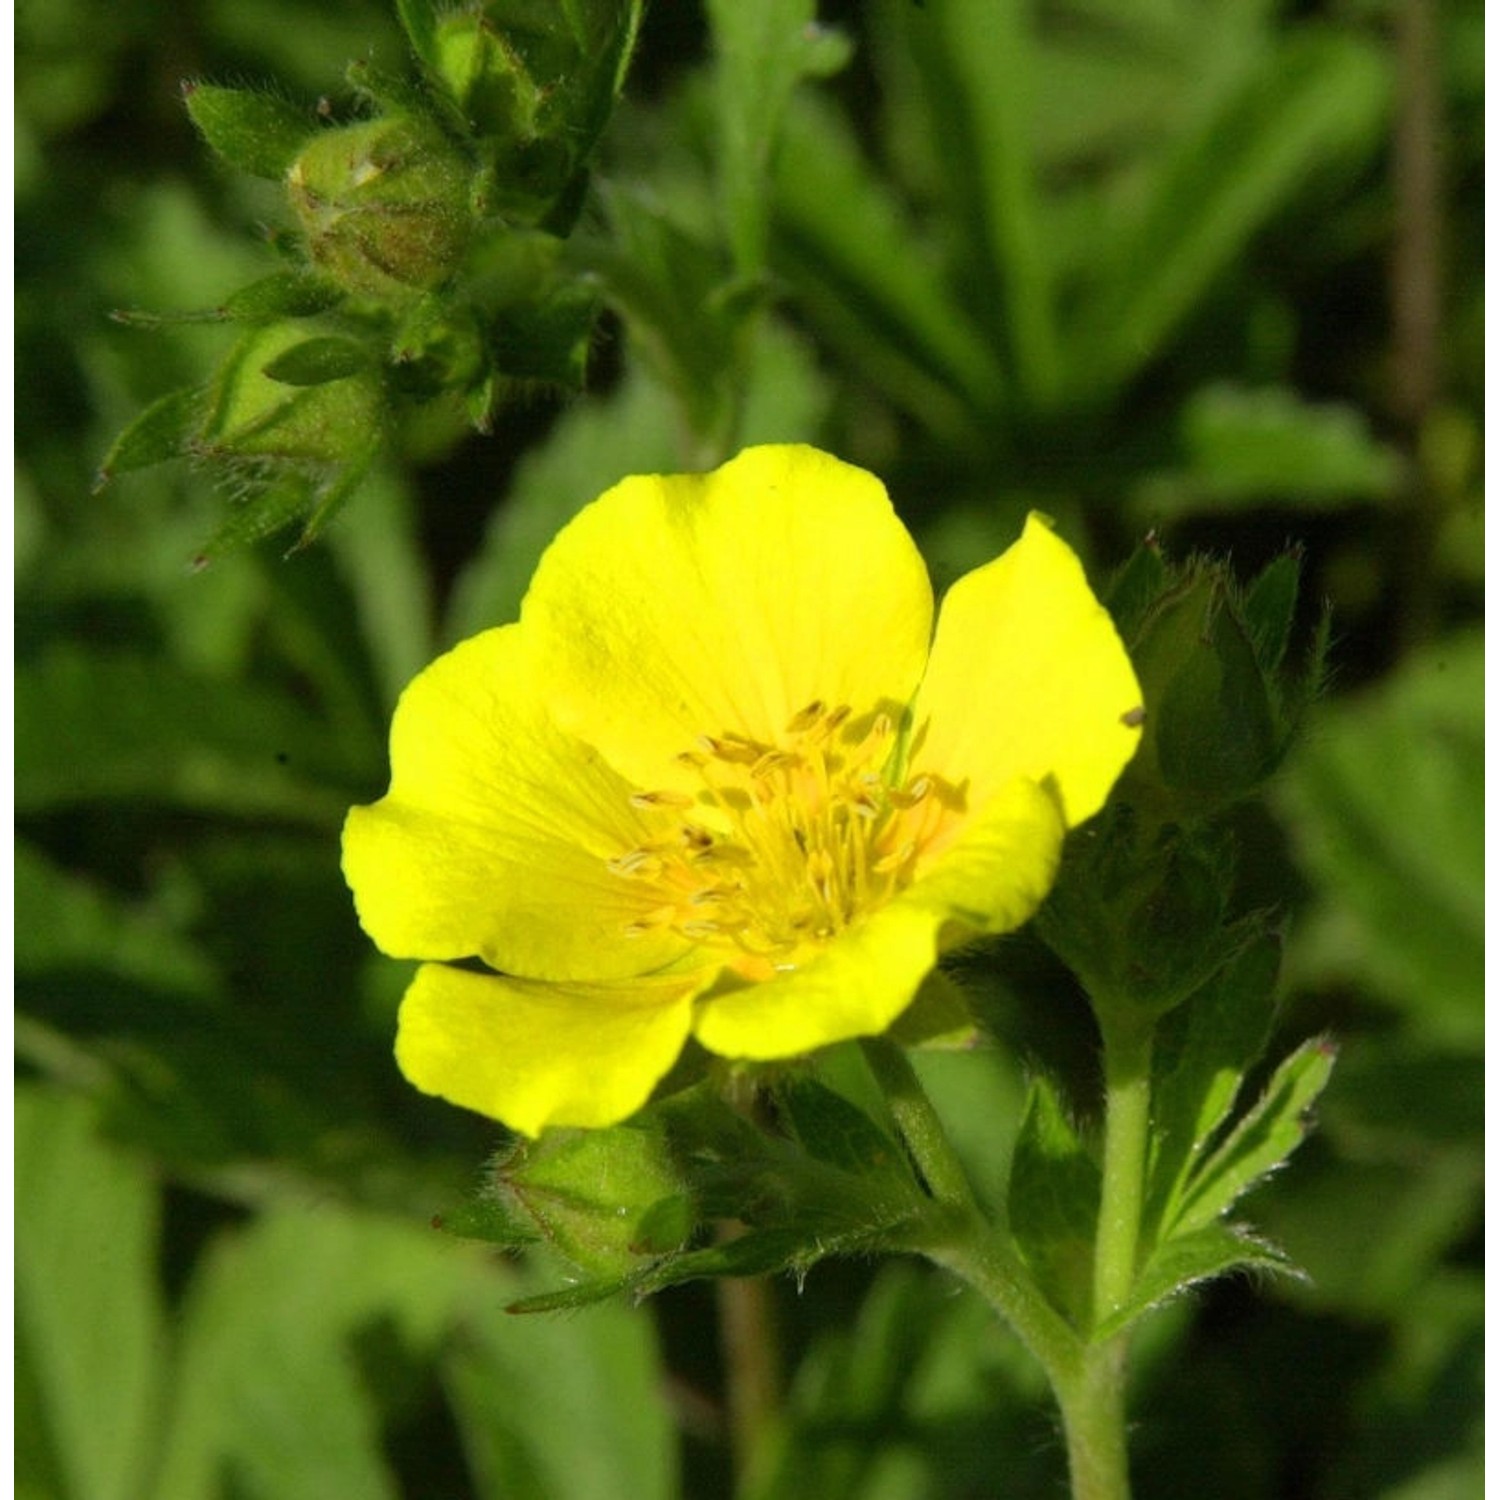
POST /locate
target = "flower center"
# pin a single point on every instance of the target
(785, 844)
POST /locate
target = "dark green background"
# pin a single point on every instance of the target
(1208, 266)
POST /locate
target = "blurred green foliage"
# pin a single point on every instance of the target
(1141, 263)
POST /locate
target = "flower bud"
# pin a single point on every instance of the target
(255, 415)
(384, 205)
(1215, 724)
(601, 1198)
(1141, 916)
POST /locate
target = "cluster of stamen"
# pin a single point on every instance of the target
(781, 846)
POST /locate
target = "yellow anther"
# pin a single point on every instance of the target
(790, 853)
(660, 799)
(773, 760)
(637, 862)
(805, 718)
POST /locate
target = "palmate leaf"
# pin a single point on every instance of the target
(1260, 1141)
(869, 284)
(1313, 99)
(978, 60)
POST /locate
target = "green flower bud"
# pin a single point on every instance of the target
(1215, 727)
(315, 420)
(602, 1198)
(1140, 917)
(384, 205)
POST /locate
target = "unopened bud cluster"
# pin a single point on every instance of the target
(426, 233)
(1143, 910)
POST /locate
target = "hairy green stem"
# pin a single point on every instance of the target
(971, 1248)
(1127, 1134)
(1093, 1402)
(989, 1263)
(1087, 1378)
(1093, 1413)
(918, 1122)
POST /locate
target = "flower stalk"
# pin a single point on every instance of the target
(1127, 1126)
(1087, 1378)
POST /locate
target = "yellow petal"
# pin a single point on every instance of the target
(856, 986)
(1001, 866)
(495, 838)
(705, 604)
(991, 880)
(1028, 678)
(534, 1055)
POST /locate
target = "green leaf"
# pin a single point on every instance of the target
(164, 430)
(1140, 582)
(832, 1129)
(1270, 606)
(866, 280)
(1186, 1260)
(317, 361)
(65, 922)
(980, 64)
(264, 508)
(1260, 1142)
(569, 1408)
(419, 22)
(1381, 805)
(258, 133)
(267, 1384)
(1202, 1053)
(284, 294)
(101, 726)
(1316, 98)
(89, 1321)
(1246, 448)
(761, 53)
(1054, 1203)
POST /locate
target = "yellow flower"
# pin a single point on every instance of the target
(723, 780)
